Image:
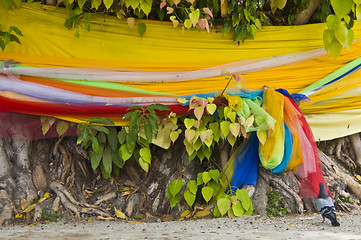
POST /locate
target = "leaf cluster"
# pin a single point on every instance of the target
(275, 206)
(208, 184)
(228, 122)
(11, 35)
(110, 147)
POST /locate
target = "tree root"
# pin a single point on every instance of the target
(277, 182)
(73, 205)
(336, 175)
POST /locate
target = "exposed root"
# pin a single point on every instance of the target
(336, 175)
(73, 205)
(356, 145)
(277, 182)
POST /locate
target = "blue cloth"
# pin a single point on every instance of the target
(245, 163)
(297, 97)
(287, 152)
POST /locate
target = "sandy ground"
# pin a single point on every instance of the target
(307, 226)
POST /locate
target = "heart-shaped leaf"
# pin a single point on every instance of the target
(223, 205)
(207, 193)
(189, 197)
(146, 155)
(198, 112)
(188, 23)
(206, 10)
(235, 129)
(192, 185)
(162, 4)
(206, 177)
(211, 108)
(225, 129)
(189, 122)
(175, 186)
(174, 136)
(203, 135)
(194, 102)
(249, 121)
(189, 134)
(194, 16)
(238, 209)
(243, 197)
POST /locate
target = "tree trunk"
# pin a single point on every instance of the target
(59, 166)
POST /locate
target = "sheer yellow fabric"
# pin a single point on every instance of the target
(271, 153)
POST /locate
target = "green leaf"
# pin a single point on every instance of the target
(349, 40)
(148, 131)
(199, 179)
(143, 164)
(235, 128)
(206, 177)
(7, 3)
(192, 185)
(342, 7)
(101, 120)
(117, 160)
(225, 129)
(243, 197)
(207, 151)
(327, 37)
(211, 108)
(122, 136)
(189, 122)
(280, 3)
(198, 112)
(96, 157)
(223, 205)
(174, 136)
(189, 197)
(226, 28)
(188, 23)
(215, 186)
(107, 160)
(104, 173)
(14, 38)
(190, 134)
(215, 174)
(146, 155)
(113, 139)
(146, 6)
(207, 193)
(108, 3)
(194, 16)
(142, 28)
(333, 21)
(84, 133)
(95, 4)
(341, 34)
(175, 186)
(81, 3)
(231, 139)
(217, 214)
(100, 128)
(61, 127)
(124, 152)
(45, 127)
(238, 209)
(159, 107)
(335, 48)
(174, 200)
(95, 144)
(358, 12)
(101, 137)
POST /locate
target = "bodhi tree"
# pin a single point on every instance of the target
(111, 171)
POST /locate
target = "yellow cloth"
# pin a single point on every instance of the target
(271, 153)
